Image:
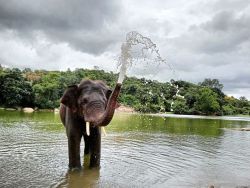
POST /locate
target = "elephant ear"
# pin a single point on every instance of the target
(69, 97)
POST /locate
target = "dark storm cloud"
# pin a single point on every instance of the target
(238, 85)
(199, 39)
(225, 31)
(74, 22)
(217, 47)
(238, 5)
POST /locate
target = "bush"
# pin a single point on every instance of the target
(228, 110)
(142, 108)
(15, 90)
(207, 102)
(167, 106)
(180, 107)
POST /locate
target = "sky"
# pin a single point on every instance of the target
(199, 39)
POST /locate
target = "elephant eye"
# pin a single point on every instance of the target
(84, 101)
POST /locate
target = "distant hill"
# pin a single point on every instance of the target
(43, 89)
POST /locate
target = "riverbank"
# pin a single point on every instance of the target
(29, 110)
(121, 108)
(127, 109)
(236, 117)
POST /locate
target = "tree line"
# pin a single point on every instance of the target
(42, 89)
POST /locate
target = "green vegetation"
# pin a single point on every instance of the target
(43, 89)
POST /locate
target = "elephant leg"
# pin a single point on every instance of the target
(86, 159)
(95, 147)
(87, 144)
(74, 140)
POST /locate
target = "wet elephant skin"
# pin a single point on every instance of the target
(86, 102)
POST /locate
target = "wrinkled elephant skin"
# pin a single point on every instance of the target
(92, 102)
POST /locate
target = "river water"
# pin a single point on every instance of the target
(138, 151)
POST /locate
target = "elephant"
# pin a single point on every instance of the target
(89, 103)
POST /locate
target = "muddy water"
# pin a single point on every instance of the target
(139, 151)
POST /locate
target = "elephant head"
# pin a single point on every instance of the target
(92, 100)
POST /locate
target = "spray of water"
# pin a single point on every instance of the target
(126, 58)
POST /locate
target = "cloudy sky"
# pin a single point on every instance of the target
(199, 38)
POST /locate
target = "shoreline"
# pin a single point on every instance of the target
(130, 110)
(233, 118)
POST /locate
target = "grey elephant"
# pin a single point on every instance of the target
(84, 109)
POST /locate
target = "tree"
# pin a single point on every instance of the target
(167, 105)
(191, 97)
(15, 91)
(44, 88)
(179, 106)
(211, 83)
(228, 110)
(47, 91)
(207, 102)
(129, 100)
(243, 102)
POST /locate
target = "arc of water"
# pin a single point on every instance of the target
(125, 60)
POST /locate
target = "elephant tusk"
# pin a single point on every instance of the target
(104, 132)
(87, 128)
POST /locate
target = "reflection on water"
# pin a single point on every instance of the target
(82, 178)
(139, 151)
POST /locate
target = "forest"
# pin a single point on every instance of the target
(41, 89)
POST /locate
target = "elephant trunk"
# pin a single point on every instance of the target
(110, 109)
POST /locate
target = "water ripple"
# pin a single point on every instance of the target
(32, 155)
